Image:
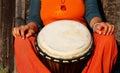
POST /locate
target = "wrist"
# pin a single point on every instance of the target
(33, 26)
(94, 21)
(94, 25)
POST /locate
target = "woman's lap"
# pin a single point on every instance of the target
(26, 58)
(104, 55)
(102, 60)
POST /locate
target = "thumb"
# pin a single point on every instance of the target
(98, 31)
(98, 28)
(30, 33)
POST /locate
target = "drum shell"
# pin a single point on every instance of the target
(61, 67)
(56, 67)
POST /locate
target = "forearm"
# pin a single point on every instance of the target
(92, 14)
(34, 15)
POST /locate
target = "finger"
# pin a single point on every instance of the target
(16, 31)
(105, 28)
(13, 33)
(98, 28)
(98, 31)
(30, 33)
(113, 29)
(23, 30)
(109, 29)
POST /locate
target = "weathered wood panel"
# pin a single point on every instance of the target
(112, 13)
(118, 20)
(0, 31)
(20, 12)
(0, 13)
(27, 4)
(6, 39)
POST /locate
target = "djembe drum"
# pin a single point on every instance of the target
(64, 46)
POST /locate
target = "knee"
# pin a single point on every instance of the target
(106, 43)
(108, 38)
(19, 42)
(105, 38)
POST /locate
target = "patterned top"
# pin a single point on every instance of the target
(51, 10)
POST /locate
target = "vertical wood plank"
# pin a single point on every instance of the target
(19, 17)
(0, 13)
(20, 12)
(112, 13)
(7, 22)
(27, 6)
(20, 9)
(0, 32)
(118, 21)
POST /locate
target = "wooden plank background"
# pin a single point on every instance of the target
(7, 14)
(13, 11)
(112, 13)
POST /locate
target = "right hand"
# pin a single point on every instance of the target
(104, 28)
(24, 31)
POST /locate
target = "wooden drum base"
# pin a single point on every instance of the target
(55, 67)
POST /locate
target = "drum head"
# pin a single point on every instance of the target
(64, 40)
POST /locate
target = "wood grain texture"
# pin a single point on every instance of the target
(112, 13)
(6, 39)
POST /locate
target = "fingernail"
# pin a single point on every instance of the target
(104, 33)
(99, 32)
(26, 35)
(23, 38)
(108, 33)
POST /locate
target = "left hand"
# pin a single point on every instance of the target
(104, 28)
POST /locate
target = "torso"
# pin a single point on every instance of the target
(51, 11)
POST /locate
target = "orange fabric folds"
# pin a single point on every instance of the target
(101, 61)
(26, 59)
(104, 55)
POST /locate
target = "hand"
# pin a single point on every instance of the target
(23, 31)
(104, 28)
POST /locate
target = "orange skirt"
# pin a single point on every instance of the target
(101, 61)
